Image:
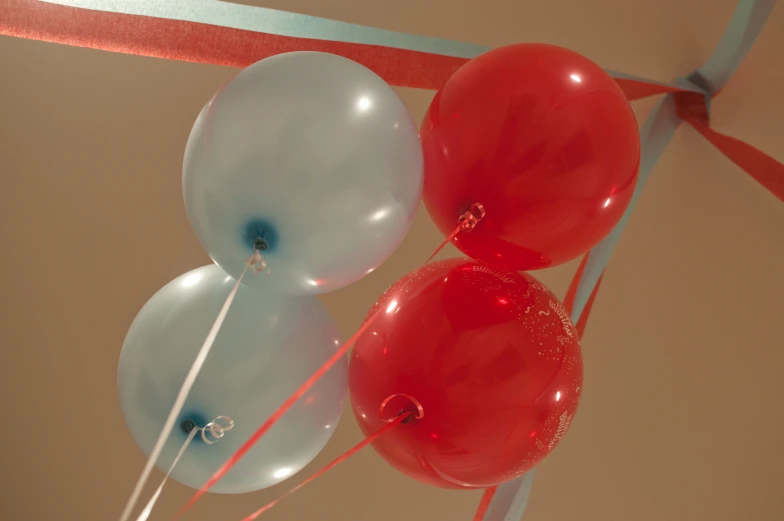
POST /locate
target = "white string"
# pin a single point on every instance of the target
(217, 432)
(148, 509)
(255, 259)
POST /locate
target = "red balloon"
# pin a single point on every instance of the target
(492, 358)
(545, 140)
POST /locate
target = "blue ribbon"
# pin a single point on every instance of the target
(748, 19)
(746, 24)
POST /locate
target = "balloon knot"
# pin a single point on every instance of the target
(257, 262)
(691, 105)
(471, 218)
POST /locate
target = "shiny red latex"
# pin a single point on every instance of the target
(492, 358)
(545, 140)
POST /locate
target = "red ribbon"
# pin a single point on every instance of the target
(691, 108)
(635, 89)
(203, 43)
(484, 503)
(340, 459)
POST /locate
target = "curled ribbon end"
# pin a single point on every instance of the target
(257, 262)
(412, 410)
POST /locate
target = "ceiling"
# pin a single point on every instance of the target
(680, 417)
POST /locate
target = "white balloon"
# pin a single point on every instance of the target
(315, 155)
(268, 346)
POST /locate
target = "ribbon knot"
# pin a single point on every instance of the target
(691, 106)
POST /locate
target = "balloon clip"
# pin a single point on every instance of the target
(413, 410)
(257, 262)
(471, 218)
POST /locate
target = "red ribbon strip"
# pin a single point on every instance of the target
(768, 172)
(196, 42)
(203, 43)
(634, 89)
(484, 503)
(340, 459)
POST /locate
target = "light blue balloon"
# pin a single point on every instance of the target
(311, 154)
(268, 346)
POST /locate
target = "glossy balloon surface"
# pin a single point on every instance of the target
(491, 356)
(312, 153)
(267, 347)
(545, 140)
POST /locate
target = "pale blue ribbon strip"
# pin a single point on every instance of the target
(511, 498)
(281, 23)
(509, 501)
(746, 24)
(655, 135)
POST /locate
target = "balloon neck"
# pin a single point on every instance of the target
(210, 431)
(190, 421)
(260, 235)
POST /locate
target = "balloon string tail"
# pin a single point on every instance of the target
(401, 418)
(210, 433)
(185, 390)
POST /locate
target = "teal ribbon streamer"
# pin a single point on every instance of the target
(746, 24)
(511, 498)
(281, 23)
(748, 19)
(655, 135)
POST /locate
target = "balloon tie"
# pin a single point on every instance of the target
(257, 262)
(417, 414)
(465, 223)
(471, 218)
(403, 417)
(214, 428)
(187, 384)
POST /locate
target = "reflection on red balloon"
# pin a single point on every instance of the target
(492, 358)
(545, 140)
